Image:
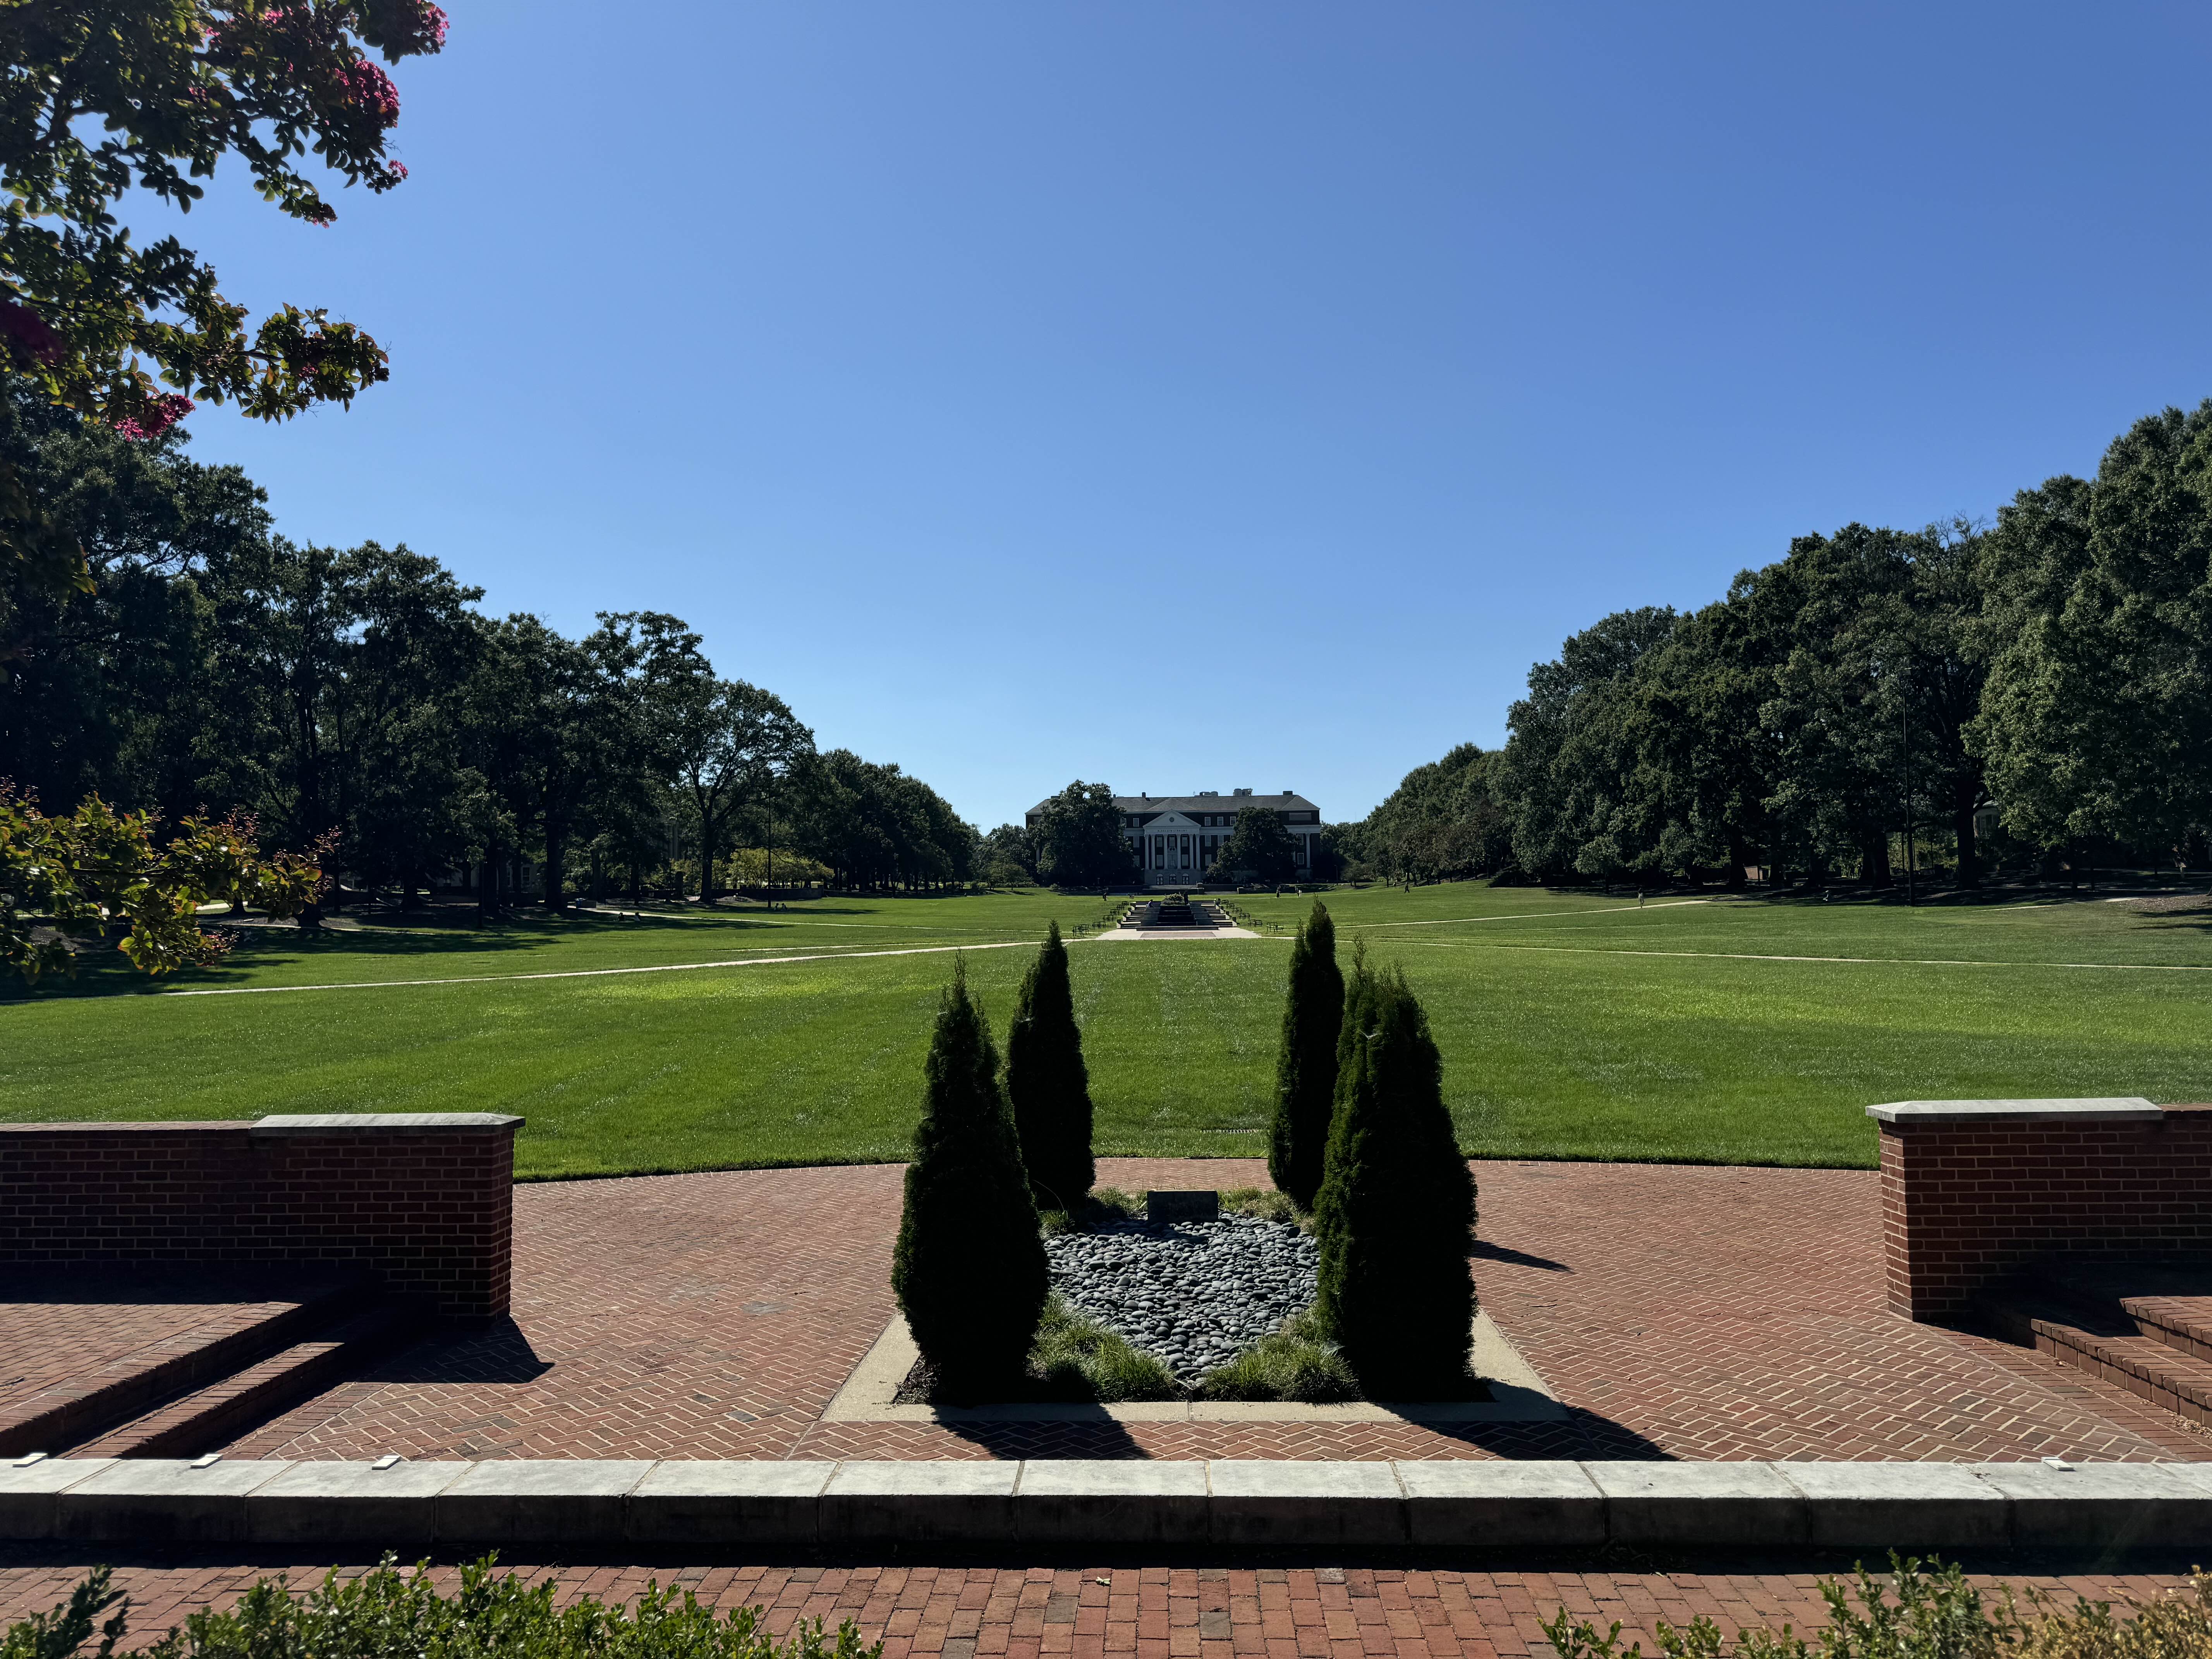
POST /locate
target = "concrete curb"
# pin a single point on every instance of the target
(1517, 1395)
(1348, 1507)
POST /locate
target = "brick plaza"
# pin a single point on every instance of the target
(1677, 1311)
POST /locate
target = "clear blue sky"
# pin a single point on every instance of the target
(1199, 395)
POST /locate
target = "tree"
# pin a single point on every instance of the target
(1305, 1064)
(1442, 820)
(969, 1268)
(874, 825)
(103, 866)
(416, 647)
(110, 97)
(112, 693)
(2097, 721)
(1258, 847)
(1395, 1213)
(732, 743)
(1007, 856)
(1047, 1083)
(1562, 777)
(1078, 839)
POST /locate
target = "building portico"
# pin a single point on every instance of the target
(1176, 837)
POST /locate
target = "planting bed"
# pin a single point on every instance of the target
(1193, 1293)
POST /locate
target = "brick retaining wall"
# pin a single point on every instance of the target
(1972, 1189)
(424, 1200)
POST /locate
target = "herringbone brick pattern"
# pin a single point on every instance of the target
(1152, 1613)
(1677, 1312)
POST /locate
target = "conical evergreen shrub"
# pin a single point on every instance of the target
(1395, 1213)
(968, 1268)
(1047, 1085)
(1305, 1065)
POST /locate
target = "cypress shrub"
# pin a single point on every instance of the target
(970, 1267)
(1047, 1085)
(1395, 1213)
(1305, 1065)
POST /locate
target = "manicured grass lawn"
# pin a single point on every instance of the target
(1572, 1025)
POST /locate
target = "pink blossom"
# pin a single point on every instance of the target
(398, 169)
(29, 331)
(369, 89)
(159, 414)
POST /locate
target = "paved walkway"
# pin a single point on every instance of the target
(1677, 1312)
(1153, 1613)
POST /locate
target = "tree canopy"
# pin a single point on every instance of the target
(109, 97)
(1258, 844)
(1078, 840)
(1872, 688)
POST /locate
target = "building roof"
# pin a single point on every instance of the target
(1187, 804)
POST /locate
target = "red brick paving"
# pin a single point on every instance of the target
(1152, 1611)
(55, 1326)
(1679, 1311)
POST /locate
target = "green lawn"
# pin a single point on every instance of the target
(1571, 1025)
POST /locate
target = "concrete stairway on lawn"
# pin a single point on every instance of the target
(2145, 1326)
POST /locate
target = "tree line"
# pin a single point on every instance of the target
(1875, 697)
(358, 698)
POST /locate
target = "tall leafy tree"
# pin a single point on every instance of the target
(733, 743)
(111, 692)
(1079, 840)
(2097, 721)
(112, 97)
(1566, 775)
(416, 648)
(1047, 1083)
(1259, 843)
(1305, 1063)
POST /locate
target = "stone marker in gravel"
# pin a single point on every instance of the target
(1165, 1205)
(1192, 1292)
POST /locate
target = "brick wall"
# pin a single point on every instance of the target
(424, 1200)
(1968, 1198)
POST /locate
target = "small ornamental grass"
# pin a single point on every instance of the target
(1297, 1363)
(1074, 1358)
(1265, 1204)
(1104, 1206)
(1936, 1614)
(389, 1614)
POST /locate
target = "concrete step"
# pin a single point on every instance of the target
(201, 1418)
(908, 1510)
(70, 1411)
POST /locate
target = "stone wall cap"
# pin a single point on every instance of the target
(329, 1123)
(2102, 1108)
(152, 1126)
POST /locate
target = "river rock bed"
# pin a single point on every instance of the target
(1192, 1292)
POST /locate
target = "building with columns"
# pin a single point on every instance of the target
(1177, 836)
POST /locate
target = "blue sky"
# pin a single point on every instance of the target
(1204, 395)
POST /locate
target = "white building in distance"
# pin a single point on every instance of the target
(1177, 836)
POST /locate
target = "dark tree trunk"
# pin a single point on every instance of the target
(487, 884)
(1873, 860)
(556, 859)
